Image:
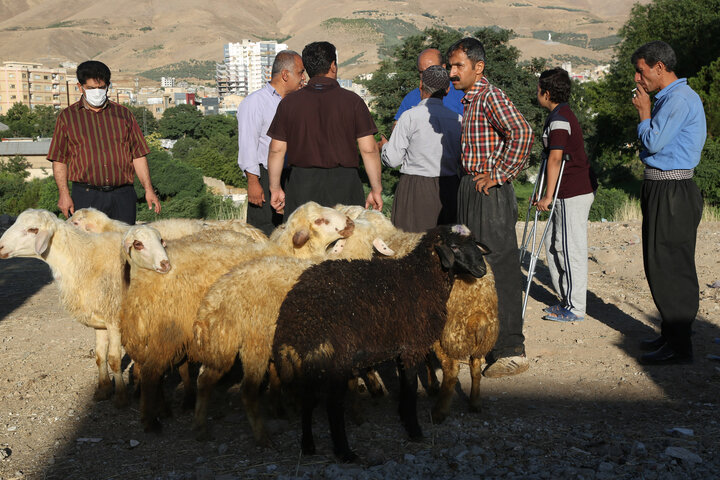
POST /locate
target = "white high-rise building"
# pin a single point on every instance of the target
(247, 66)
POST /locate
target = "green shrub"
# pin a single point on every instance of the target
(607, 202)
(707, 173)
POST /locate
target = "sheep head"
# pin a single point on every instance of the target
(89, 219)
(459, 252)
(313, 222)
(144, 247)
(30, 235)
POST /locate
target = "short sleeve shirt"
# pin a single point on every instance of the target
(562, 132)
(321, 124)
(98, 147)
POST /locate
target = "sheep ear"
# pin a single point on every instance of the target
(42, 239)
(339, 246)
(301, 237)
(382, 247)
(485, 250)
(447, 257)
(127, 244)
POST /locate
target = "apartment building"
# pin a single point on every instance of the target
(247, 66)
(33, 84)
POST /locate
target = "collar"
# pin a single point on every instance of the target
(82, 104)
(477, 88)
(670, 88)
(431, 101)
(321, 84)
(271, 90)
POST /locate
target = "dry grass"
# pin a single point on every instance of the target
(630, 211)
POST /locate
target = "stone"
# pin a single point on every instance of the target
(683, 454)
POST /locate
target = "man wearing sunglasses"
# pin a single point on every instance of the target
(99, 147)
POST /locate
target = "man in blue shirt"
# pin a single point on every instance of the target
(429, 57)
(673, 135)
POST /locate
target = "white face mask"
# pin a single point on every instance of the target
(96, 96)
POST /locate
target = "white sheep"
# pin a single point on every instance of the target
(88, 270)
(93, 220)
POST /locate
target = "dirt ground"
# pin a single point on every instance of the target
(585, 409)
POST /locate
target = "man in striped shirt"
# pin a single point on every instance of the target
(99, 147)
(496, 140)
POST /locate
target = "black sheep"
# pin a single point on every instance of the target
(343, 316)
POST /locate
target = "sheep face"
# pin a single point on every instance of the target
(312, 220)
(145, 248)
(29, 236)
(459, 252)
(89, 219)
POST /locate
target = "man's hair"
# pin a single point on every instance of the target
(284, 60)
(317, 58)
(430, 51)
(435, 81)
(92, 69)
(654, 52)
(472, 47)
(556, 82)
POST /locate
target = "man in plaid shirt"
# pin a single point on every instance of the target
(496, 141)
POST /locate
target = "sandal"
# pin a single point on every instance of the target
(553, 309)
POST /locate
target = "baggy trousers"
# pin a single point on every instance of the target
(119, 204)
(265, 218)
(566, 249)
(492, 220)
(671, 214)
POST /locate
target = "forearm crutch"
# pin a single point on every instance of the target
(532, 236)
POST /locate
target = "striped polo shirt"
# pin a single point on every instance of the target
(98, 147)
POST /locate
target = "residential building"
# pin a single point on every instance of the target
(34, 151)
(247, 66)
(33, 84)
(167, 82)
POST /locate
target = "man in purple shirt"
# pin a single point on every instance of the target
(254, 116)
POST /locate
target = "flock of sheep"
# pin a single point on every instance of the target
(330, 294)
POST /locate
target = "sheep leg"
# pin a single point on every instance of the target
(115, 354)
(374, 383)
(275, 391)
(336, 417)
(105, 388)
(205, 383)
(450, 369)
(355, 412)
(433, 384)
(407, 407)
(250, 394)
(189, 391)
(309, 401)
(149, 386)
(476, 375)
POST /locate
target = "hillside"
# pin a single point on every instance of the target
(138, 35)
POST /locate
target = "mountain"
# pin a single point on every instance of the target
(133, 36)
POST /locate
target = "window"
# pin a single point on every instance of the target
(12, 85)
(37, 77)
(13, 97)
(11, 75)
(45, 77)
(23, 76)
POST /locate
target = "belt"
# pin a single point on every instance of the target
(678, 174)
(101, 188)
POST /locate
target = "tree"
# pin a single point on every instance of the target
(24, 122)
(144, 117)
(217, 125)
(180, 121)
(707, 86)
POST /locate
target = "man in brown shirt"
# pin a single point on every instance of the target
(99, 147)
(320, 128)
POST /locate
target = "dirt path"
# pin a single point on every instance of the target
(586, 409)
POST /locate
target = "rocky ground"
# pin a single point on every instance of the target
(585, 409)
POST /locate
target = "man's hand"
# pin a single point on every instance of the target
(256, 196)
(374, 200)
(277, 199)
(641, 101)
(483, 182)
(382, 142)
(65, 204)
(544, 204)
(152, 200)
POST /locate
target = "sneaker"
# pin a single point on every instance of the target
(553, 308)
(563, 315)
(506, 366)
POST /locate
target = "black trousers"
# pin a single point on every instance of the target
(265, 218)
(119, 204)
(326, 186)
(492, 220)
(671, 214)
